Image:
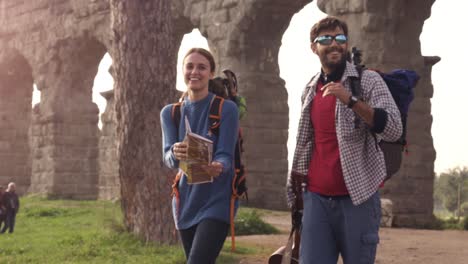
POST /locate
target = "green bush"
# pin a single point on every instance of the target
(464, 223)
(437, 224)
(464, 209)
(450, 223)
(248, 222)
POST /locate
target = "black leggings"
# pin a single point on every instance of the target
(203, 242)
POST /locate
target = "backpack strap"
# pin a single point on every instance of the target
(356, 89)
(175, 190)
(176, 114)
(356, 82)
(216, 108)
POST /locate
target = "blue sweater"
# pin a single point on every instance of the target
(207, 200)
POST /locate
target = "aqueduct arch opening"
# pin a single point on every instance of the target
(64, 131)
(103, 96)
(244, 36)
(16, 85)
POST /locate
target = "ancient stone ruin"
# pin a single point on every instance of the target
(57, 149)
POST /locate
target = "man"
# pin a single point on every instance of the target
(2, 207)
(339, 158)
(11, 202)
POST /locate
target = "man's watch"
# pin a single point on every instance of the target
(352, 101)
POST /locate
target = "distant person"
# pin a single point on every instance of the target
(2, 207)
(338, 155)
(201, 211)
(11, 202)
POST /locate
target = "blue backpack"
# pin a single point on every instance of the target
(401, 84)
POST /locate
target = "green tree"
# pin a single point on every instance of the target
(438, 194)
(451, 189)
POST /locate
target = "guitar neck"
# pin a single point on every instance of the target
(297, 243)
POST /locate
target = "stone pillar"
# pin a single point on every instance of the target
(109, 182)
(65, 131)
(388, 33)
(65, 147)
(16, 85)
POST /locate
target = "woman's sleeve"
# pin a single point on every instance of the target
(169, 137)
(228, 133)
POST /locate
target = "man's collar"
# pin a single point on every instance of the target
(334, 76)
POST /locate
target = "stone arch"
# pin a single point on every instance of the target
(449, 97)
(295, 50)
(366, 29)
(108, 171)
(251, 48)
(247, 40)
(244, 36)
(16, 84)
(65, 141)
(103, 82)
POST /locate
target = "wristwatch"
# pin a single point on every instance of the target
(352, 101)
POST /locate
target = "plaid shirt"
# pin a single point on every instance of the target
(362, 161)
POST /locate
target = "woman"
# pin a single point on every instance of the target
(2, 207)
(202, 212)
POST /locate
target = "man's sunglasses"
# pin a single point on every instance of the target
(327, 39)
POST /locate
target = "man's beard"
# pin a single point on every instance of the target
(333, 64)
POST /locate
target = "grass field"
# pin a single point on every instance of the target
(66, 231)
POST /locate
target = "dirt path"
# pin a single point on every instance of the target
(399, 246)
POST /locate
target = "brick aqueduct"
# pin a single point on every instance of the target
(56, 147)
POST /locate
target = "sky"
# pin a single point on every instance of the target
(442, 36)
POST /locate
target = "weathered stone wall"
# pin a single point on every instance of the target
(63, 41)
